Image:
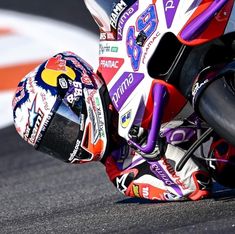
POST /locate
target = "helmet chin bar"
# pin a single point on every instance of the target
(151, 149)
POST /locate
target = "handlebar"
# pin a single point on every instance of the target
(159, 97)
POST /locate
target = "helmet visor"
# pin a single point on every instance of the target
(63, 134)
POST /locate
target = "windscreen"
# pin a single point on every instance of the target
(101, 10)
(107, 12)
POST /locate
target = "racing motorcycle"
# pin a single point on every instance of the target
(156, 55)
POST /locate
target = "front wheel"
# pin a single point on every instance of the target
(217, 107)
(216, 104)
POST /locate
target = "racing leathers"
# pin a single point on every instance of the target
(158, 179)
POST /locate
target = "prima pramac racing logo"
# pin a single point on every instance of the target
(34, 123)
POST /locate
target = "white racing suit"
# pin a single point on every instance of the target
(135, 176)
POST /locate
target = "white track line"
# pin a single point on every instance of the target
(37, 38)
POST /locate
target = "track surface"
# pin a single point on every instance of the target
(41, 195)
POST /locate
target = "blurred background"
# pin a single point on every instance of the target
(30, 32)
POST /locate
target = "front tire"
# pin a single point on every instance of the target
(217, 107)
(216, 104)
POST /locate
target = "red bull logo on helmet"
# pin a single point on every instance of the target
(54, 67)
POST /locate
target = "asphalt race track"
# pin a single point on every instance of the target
(42, 195)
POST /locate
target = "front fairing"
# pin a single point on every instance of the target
(132, 34)
(193, 22)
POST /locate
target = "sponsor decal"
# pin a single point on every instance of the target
(77, 61)
(120, 183)
(170, 8)
(50, 76)
(34, 122)
(157, 169)
(109, 63)
(124, 18)
(109, 36)
(114, 49)
(160, 173)
(172, 171)
(117, 11)
(125, 119)
(107, 48)
(86, 80)
(19, 95)
(96, 115)
(136, 190)
(109, 67)
(31, 84)
(100, 118)
(178, 135)
(92, 110)
(170, 196)
(150, 43)
(82, 122)
(63, 83)
(45, 125)
(56, 63)
(44, 101)
(94, 125)
(75, 91)
(123, 88)
(145, 191)
(80, 63)
(198, 88)
(76, 148)
(146, 25)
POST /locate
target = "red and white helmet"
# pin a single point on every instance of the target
(58, 108)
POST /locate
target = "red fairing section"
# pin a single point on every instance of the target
(214, 29)
(111, 168)
(174, 104)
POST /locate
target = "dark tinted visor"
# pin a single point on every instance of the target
(63, 134)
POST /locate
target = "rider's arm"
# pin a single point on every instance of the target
(159, 180)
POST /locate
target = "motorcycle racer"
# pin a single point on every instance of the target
(80, 123)
(63, 109)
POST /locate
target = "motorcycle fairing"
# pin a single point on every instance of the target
(207, 22)
(141, 26)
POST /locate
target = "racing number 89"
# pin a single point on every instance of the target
(146, 22)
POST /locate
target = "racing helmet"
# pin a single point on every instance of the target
(58, 108)
(222, 164)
